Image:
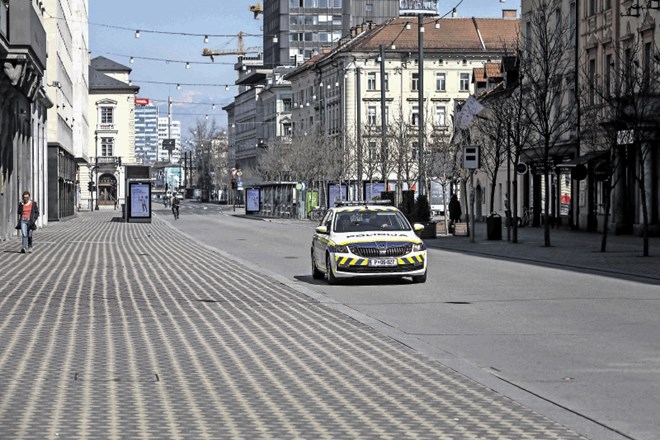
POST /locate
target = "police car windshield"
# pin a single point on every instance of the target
(370, 220)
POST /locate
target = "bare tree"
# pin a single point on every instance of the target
(624, 107)
(547, 56)
(490, 132)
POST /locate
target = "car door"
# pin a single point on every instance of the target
(320, 241)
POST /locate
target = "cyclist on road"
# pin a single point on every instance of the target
(175, 207)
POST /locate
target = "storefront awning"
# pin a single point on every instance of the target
(581, 160)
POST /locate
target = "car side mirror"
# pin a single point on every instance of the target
(418, 227)
(322, 229)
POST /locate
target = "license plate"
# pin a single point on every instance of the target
(382, 262)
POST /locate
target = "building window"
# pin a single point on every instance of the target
(107, 146)
(414, 120)
(286, 104)
(415, 82)
(107, 115)
(464, 85)
(608, 5)
(371, 115)
(571, 23)
(592, 7)
(414, 150)
(440, 82)
(370, 7)
(440, 115)
(592, 79)
(646, 66)
(371, 81)
(371, 154)
(387, 81)
(607, 80)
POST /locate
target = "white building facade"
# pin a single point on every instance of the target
(111, 142)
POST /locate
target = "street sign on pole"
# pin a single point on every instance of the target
(169, 144)
(471, 157)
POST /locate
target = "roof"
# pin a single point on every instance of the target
(453, 34)
(99, 82)
(462, 36)
(490, 70)
(103, 64)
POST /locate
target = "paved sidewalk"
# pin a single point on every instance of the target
(569, 249)
(116, 330)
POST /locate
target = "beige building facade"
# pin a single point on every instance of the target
(111, 141)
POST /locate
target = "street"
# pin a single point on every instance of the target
(212, 327)
(582, 341)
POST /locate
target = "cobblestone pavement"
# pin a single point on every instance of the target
(107, 332)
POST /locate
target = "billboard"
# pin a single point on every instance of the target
(417, 7)
(252, 199)
(140, 200)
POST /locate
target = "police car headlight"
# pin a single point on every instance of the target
(341, 249)
(417, 247)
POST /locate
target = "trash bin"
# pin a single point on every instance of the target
(494, 226)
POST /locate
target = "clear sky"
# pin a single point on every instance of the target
(168, 19)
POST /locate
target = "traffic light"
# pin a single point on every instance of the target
(233, 183)
(90, 186)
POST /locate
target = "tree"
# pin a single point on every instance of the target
(550, 110)
(204, 135)
(622, 112)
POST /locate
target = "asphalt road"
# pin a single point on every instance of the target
(579, 348)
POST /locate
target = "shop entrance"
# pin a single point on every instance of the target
(107, 190)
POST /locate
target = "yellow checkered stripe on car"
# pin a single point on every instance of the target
(351, 261)
(357, 261)
(410, 260)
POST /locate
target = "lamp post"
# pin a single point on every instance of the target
(420, 101)
(421, 10)
(96, 169)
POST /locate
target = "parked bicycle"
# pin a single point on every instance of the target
(317, 214)
(527, 218)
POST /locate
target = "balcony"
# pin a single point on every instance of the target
(108, 160)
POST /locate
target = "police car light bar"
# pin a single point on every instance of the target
(340, 203)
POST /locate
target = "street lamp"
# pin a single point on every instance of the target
(421, 10)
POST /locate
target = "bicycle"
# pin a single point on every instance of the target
(527, 217)
(317, 214)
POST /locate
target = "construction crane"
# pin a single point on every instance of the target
(257, 10)
(240, 49)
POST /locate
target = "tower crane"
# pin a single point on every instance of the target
(240, 49)
(257, 10)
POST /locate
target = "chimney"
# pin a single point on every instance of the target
(509, 13)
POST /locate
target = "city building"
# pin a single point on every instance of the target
(169, 129)
(146, 131)
(23, 110)
(605, 168)
(364, 95)
(294, 30)
(68, 125)
(111, 143)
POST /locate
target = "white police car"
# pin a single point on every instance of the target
(355, 239)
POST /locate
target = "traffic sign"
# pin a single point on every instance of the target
(521, 168)
(169, 144)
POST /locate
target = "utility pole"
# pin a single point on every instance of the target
(383, 120)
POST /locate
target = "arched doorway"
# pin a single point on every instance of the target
(107, 189)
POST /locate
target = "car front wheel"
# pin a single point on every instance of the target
(419, 279)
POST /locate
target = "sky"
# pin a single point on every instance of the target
(161, 52)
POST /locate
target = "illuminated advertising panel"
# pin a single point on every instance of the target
(417, 7)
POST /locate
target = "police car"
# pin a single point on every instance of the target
(355, 239)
